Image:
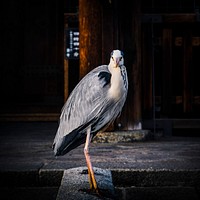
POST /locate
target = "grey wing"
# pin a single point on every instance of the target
(84, 104)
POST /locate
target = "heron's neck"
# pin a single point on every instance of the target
(116, 84)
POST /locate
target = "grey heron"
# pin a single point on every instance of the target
(94, 104)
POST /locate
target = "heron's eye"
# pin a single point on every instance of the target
(112, 58)
(120, 58)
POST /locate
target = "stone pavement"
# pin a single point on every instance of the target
(27, 161)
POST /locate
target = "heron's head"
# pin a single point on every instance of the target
(116, 58)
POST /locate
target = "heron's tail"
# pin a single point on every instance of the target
(63, 145)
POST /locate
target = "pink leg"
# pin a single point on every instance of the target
(92, 180)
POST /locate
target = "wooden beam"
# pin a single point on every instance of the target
(179, 18)
(90, 28)
(29, 117)
(170, 18)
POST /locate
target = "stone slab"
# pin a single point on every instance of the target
(74, 184)
(123, 136)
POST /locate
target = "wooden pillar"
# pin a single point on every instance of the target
(167, 71)
(136, 74)
(147, 67)
(66, 66)
(187, 85)
(90, 28)
(129, 36)
(107, 31)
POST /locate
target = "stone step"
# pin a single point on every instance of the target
(157, 193)
(75, 185)
(31, 178)
(123, 136)
(120, 177)
(128, 184)
(156, 178)
(28, 193)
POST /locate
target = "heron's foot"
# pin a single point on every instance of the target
(96, 191)
(93, 184)
(92, 191)
(101, 193)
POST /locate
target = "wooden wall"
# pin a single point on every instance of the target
(31, 73)
(146, 35)
(34, 77)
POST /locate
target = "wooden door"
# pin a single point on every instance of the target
(172, 72)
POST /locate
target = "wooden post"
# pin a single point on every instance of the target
(167, 70)
(187, 86)
(129, 36)
(90, 28)
(66, 66)
(136, 75)
(147, 67)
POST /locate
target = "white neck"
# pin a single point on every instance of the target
(117, 85)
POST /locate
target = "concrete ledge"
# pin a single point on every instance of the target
(28, 193)
(75, 183)
(156, 178)
(158, 193)
(50, 177)
(19, 178)
(31, 178)
(123, 136)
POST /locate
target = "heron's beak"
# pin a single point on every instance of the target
(116, 62)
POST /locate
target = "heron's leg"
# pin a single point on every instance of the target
(93, 183)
